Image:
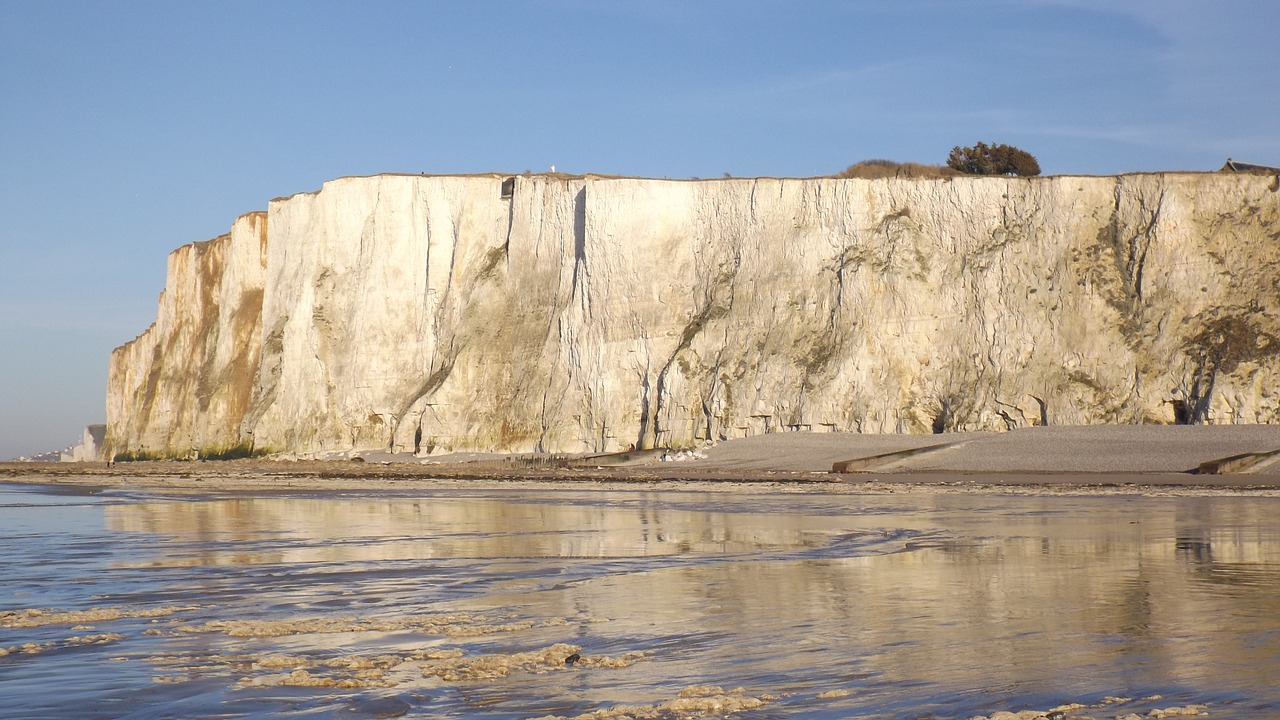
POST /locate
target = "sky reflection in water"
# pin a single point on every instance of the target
(947, 604)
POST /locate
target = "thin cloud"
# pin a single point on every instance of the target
(829, 93)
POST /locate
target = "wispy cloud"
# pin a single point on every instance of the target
(873, 87)
(1212, 49)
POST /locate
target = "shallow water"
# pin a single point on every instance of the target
(806, 605)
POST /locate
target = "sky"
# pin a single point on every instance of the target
(128, 129)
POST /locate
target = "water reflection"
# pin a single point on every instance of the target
(948, 604)
(302, 530)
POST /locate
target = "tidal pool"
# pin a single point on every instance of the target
(527, 603)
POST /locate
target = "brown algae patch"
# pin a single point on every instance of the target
(833, 694)
(384, 671)
(1076, 711)
(447, 625)
(554, 658)
(74, 641)
(695, 701)
(33, 617)
(377, 671)
(371, 678)
(346, 671)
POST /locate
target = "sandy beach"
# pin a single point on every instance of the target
(1077, 460)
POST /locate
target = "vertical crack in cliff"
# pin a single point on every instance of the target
(267, 381)
(544, 414)
(709, 416)
(824, 347)
(444, 361)
(843, 261)
(714, 306)
(958, 389)
(1139, 244)
(646, 419)
(370, 228)
(325, 336)
(580, 270)
(511, 219)
(577, 285)
(145, 409)
(984, 392)
(432, 383)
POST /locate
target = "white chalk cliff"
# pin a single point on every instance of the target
(565, 314)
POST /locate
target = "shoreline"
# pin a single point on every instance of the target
(331, 476)
(1092, 460)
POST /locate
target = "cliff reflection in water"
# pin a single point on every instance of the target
(1012, 595)
(291, 529)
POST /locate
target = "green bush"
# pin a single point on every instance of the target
(984, 159)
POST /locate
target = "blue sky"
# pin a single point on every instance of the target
(128, 129)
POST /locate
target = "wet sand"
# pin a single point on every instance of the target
(1054, 460)
(250, 587)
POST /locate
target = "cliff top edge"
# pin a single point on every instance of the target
(564, 177)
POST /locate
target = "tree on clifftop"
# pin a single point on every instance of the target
(984, 159)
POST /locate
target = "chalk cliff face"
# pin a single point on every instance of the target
(185, 383)
(579, 314)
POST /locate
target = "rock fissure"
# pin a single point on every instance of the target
(1140, 244)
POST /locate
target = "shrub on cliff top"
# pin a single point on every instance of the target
(876, 169)
(984, 159)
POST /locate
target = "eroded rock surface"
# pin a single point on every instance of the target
(435, 314)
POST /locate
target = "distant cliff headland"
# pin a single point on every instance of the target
(569, 314)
